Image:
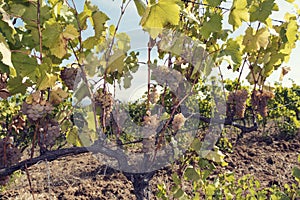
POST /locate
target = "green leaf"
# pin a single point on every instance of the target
(25, 66)
(158, 15)
(140, 6)
(191, 174)
(239, 13)
(127, 80)
(178, 194)
(6, 30)
(214, 24)
(15, 85)
(214, 3)
(260, 12)
(296, 172)
(233, 49)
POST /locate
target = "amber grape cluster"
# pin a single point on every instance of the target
(153, 95)
(165, 76)
(35, 107)
(150, 124)
(50, 133)
(178, 121)
(105, 101)
(259, 100)
(10, 155)
(68, 75)
(236, 103)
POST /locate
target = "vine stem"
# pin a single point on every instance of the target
(39, 29)
(29, 182)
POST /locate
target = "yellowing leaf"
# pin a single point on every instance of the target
(57, 95)
(284, 72)
(73, 138)
(46, 81)
(70, 32)
(158, 15)
(239, 13)
(255, 42)
(116, 62)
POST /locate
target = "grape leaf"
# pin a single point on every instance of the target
(116, 62)
(214, 3)
(239, 13)
(253, 42)
(72, 137)
(191, 174)
(158, 15)
(70, 32)
(57, 95)
(16, 85)
(98, 22)
(292, 31)
(234, 50)
(260, 12)
(25, 66)
(214, 24)
(140, 7)
(296, 172)
(46, 81)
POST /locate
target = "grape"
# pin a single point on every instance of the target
(68, 75)
(178, 121)
(35, 107)
(36, 111)
(154, 96)
(49, 133)
(259, 100)
(13, 154)
(165, 76)
(150, 124)
(105, 101)
(236, 103)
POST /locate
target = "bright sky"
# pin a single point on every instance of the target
(130, 24)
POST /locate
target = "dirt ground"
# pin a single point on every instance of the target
(268, 158)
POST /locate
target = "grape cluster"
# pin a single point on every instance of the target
(150, 124)
(49, 133)
(259, 100)
(154, 96)
(178, 121)
(68, 75)
(165, 76)
(12, 155)
(236, 103)
(35, 107)
(105, 101)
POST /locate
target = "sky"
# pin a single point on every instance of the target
(130, 25)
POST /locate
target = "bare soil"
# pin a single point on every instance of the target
(269, 159)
